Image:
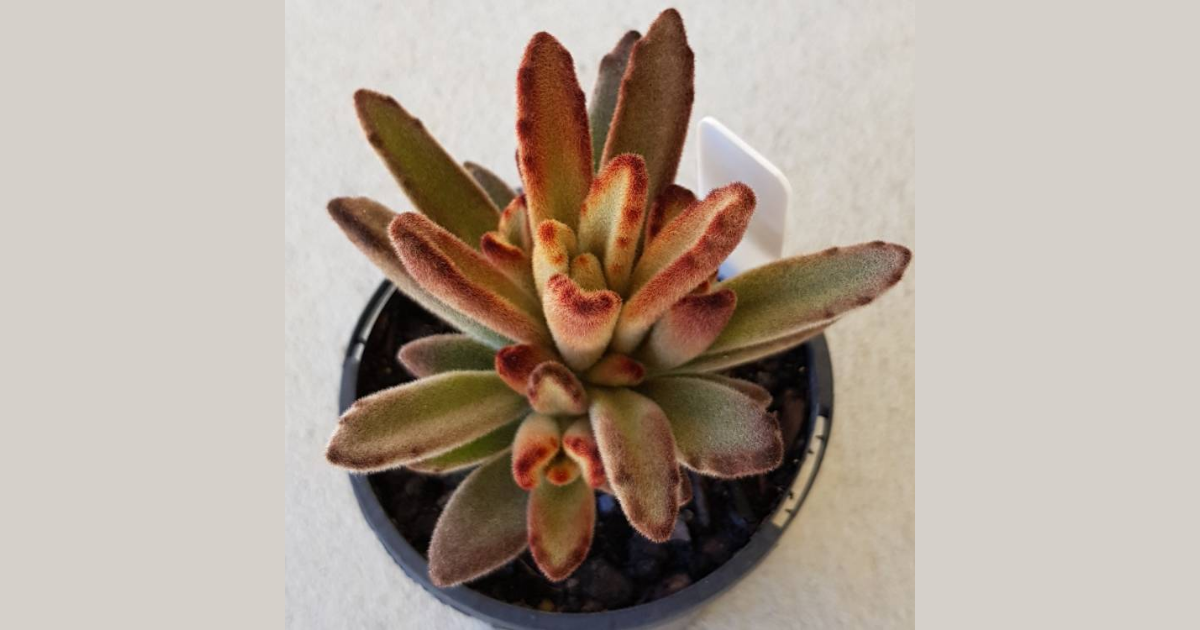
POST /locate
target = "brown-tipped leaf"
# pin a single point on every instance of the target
(553, 389)
(497, 190)
(655, 101)
(615, 370)
(672, 201)
(581, 322)
(638, 452)
(509, 259)
(464, 279)
(514, 224)
(610, 221)
(685, 254)
(515, 363)
(785, 297)
(482, 528)
(469, 454)
(587, 272)
(687, 329)
(579, 443)
(553, 142)
(433, 181)
(719, 431)
(604, 94)
(561, 520)
(421, 419)
(553, 248)
(535, 445)
(444, 353)
(562, 470)
(365, 223)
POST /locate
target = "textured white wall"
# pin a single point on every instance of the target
(827, 90)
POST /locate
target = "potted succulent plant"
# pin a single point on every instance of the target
(571, 344)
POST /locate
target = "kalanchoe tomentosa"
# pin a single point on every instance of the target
(592, 321)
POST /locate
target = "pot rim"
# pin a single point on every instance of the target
(690, 598)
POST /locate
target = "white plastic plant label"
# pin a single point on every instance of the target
(724, 158)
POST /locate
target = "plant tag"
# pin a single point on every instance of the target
(724, 158)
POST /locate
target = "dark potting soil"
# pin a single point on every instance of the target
(623, 568)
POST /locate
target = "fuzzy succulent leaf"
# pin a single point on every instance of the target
(561, 521)
(672, 201)
(497, 190)
(554, 246)
(725, 359)
(610, 220)
(655, 101)
(787, 296)
(508, 259)
(688, 250)
(514, 224)
(365, 223)
(464, 279)
(553, 389)
(445, 353)
(604, 95)
(433, 181)
(638, 451)
(554, 144)
(421, 419)
(685, 489)
(579, 443)
(482, 528)
(754, 391)
(581, 322)
(469, 454)
(718, 430)
(687, 329)
(562, 470)
(615, 370)
(515, 363)
(587, 272)
(535, 445)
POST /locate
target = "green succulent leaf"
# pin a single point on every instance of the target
(655, 101)
(687, 329)
(672, 201)
(784, 298)
(684, 255)
(587, 272)
(725, 359)
(445, 353)
(554, 245)
(581, 322)
(604, 95)
(514, 224)
(579, 443)
(610, 220)
(754, 391)
(497, 190)
(719, 430)
(555, 390)
(535, 445)
(554, 145)
(433, 181)
(482, 528)
(638, 451)
(422, 419)
(469, 454)
(365, 223)
(561, 521)
(509, 259)
(464, 279)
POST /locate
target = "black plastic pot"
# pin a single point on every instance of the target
(669, 610)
